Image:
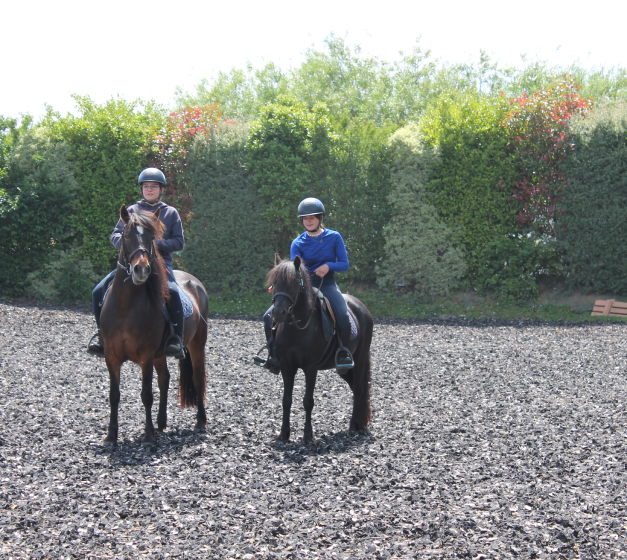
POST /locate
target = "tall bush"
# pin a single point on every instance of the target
(229, 244)
(474, 159)
(289, 152)
(418, 248)
(538, 124)
(38, 195)
(109, 145)
(594, 237)
(356, 200)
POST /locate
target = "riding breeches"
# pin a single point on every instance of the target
(175, 307)
(98, 294)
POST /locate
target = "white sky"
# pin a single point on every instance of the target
(140, 49)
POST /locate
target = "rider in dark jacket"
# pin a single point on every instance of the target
(152, 184)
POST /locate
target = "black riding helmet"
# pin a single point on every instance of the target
(151, 174)
(310, 207)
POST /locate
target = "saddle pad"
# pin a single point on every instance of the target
(353, 321)
(188, 306)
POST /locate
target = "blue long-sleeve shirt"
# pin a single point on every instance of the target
(328, 248)
(172, 240)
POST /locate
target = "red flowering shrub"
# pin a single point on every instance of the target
(173, 145)
(538, 125)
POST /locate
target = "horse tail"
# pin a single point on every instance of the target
(362, 390)
(362, 373)
(187, 392)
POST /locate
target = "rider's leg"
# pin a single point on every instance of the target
(343, 358)
(271, 362)
(174, 344)
(95, 344)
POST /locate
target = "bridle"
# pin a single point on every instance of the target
(294, 301)
(127, 266)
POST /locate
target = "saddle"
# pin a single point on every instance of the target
(329, 325)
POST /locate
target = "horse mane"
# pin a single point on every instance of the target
(285, 273)
(157, 284)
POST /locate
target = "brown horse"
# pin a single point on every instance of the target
(300, 343)
(133, 327)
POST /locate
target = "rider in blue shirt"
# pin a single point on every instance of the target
(152, 184)
(324, 253)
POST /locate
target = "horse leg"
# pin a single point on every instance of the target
(196, 351)
(288, 389)
(147, 399)
(163, 380)
(114, 400)
(308, 404)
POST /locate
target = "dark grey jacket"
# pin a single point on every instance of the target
(173, 239)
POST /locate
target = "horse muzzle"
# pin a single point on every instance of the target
(140, 272)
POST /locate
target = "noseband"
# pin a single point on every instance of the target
(127, 266)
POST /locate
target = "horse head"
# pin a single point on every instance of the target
(138, 242)
(290, 286)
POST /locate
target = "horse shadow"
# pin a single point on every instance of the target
(336, 443)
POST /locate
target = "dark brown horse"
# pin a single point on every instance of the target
(132, 326)
(300, 343)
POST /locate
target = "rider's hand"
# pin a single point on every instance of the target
(321, 271)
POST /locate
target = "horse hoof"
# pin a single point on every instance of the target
(200, 429)
(108, 443)
(148, 443)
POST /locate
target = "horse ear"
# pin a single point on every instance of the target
(124, 215)
(297, 262)
(277, 259)
(156, 215)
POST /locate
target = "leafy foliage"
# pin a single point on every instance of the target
(418, 249)
(66, 279)
(229, 243)
(289, 156)
(539, 124)
(356, 203)
(108, 147)
(173, 145)
(512, 264)
(594, 238)
(474, 159)
(37, 202)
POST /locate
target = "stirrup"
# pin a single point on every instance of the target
(266, 363)
(178, 352)
(94, 346)
(344, 367)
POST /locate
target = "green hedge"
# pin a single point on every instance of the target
(593, 237)
(108, 147)
(38, 195)
(229, 244)
(418, 252)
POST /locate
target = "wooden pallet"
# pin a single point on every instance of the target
(609, 308)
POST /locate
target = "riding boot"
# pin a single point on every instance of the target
(343, 357)
(95, 347)
(174, 345)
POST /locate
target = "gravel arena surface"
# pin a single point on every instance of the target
(489, 440)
